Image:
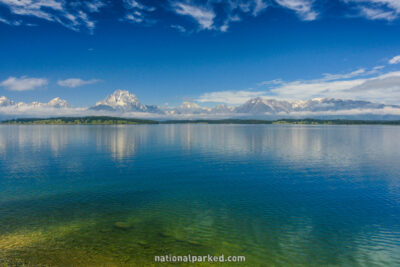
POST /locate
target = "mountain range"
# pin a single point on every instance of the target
(54, 103)
(124, 102)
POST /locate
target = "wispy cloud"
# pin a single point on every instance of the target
(377, 9)
(331, 77)
(137, 12)
(73, 15)
(302, 7)
(361, 84)
(382, 88)
(271, 82)
(378, 13)
(23, 83)
(136, 17)
(395, 60)
(95, 6)
(76, 82)
(259, 6)
(217, 15)
(11, 22)
(204, 16)
(179, 28)
(135, 4)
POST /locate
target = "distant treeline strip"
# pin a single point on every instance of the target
(104, 120)
(93, 120)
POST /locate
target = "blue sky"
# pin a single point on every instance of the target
(209, 51)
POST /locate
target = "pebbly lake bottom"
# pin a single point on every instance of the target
(279, 195)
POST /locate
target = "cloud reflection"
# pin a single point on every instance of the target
(338, 146)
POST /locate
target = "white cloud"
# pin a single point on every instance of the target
(302, 7)
(217, 14)
(375, 14)
(137, 17)
(203, 16)
(393, 4)
(377, 9)
(134, 4)
(23, 83)
(235, 9)
(271, 82)
(253, 7)
(73, 15)
(395, 60)
(38, 8)
(260, 5)
(95, 6)
(75, 82)
(137, 12)
(382, 88)
(330, 77)
(230, 97)
(11, 22)
(360, 84)
(179, 28)
(376, 68)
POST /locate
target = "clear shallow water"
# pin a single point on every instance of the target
(279, 195)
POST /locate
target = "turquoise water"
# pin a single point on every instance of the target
(278, 195)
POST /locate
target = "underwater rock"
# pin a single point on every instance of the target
(105, 230)
(163, 235)
(122, 225)
(144, 244)
(188, 242)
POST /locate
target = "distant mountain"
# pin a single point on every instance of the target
(57, 103)
(5, 102)
(125, 104)
(124, 101)
(259, 105)
(271, 106)
(331, 104)
(222, 109)
(190, 108)
(187, 108)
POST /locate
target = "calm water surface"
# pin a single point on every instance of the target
(279, 195)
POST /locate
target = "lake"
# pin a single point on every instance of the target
(280, 195)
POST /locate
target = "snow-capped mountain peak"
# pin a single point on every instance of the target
(189, 105)
(222, 109)
(259, 105)
(318, 99)
(120, 100)
(188, 108)
(256, 100)
(272, 106)
(58, 103)
(5, 102)
(124, 101)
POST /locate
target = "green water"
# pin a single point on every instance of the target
(121, 195)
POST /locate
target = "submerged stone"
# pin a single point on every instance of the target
(163, 235)
(188, 242)
(144, 244)
(122, 225)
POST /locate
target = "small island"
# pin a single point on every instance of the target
(105, 120)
